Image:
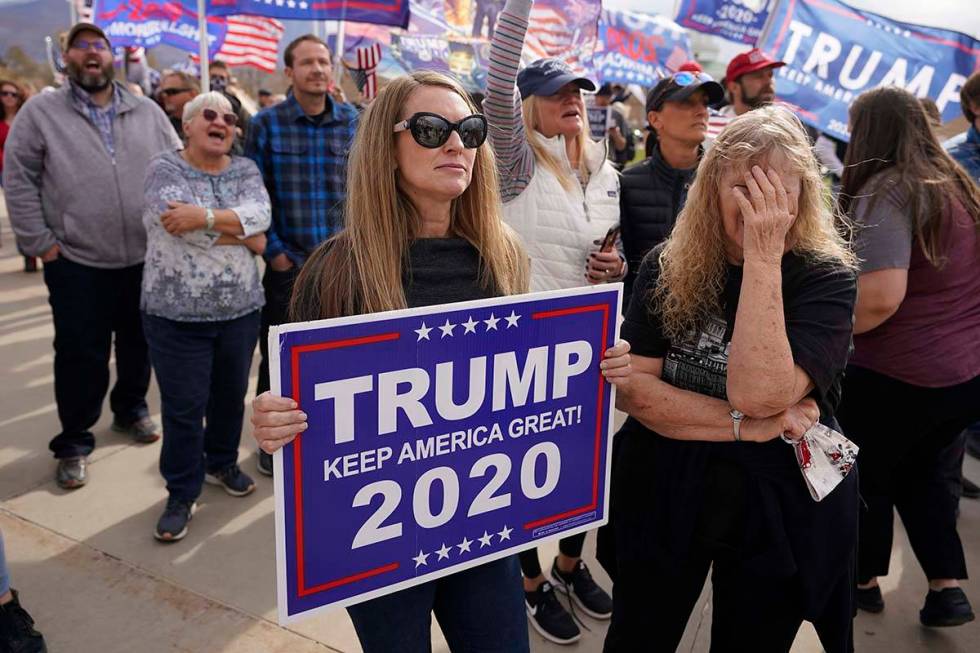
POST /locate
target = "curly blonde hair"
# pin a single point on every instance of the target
(692, 262)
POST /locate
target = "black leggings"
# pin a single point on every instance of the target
(569, 546)
(905, 433)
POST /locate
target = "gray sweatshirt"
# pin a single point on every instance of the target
(63, 187)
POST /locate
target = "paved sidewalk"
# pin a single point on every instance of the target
(92, 575)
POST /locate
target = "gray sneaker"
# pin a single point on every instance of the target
(144, 430)
(71, 473)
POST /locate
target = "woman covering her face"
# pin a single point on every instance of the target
(740, 326)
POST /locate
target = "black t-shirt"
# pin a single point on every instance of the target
(818, 304)
(765, 516)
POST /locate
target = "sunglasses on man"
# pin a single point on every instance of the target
(430, 130)
(211, 115)
(84, 45)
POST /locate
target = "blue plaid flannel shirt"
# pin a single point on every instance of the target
(304, 164)
(101, 117)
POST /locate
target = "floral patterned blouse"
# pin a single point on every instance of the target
(189, 278)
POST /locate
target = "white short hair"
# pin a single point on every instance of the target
(209, 100)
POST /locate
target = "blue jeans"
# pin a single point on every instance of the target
(202, 370)
(4, 574)
(480, 610)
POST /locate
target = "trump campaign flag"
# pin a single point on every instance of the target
(834, 52)
(137, 24)
(735, 20)
(378, 12)
(439, 438)
(639, 48)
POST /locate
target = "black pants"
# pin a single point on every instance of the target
(905, 432)
(278, 290)
(89, 305)
(569, 546)
(202, 369)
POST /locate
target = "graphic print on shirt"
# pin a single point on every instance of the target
(700, 362)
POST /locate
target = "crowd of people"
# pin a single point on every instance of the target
(758, 305)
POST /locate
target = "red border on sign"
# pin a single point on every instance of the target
(604, 309)
(301, 588)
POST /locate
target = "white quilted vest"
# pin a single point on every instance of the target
(558, 226)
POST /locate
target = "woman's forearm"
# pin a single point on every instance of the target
(226, 222)
(684, 415)
(762, 377)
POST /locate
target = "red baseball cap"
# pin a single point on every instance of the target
(691, 67)
(749, 62)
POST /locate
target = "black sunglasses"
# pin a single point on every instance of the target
(211, 115)
(169, 92)
(432, 130)
(9, 94)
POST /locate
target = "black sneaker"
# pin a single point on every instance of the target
(869, 599)
(948, 607)
(548, 617)
(17, 633)
(264, 463)
(579, 585)
(172, 525)
(235, 482)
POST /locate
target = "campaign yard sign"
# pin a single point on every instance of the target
(833, 52)
(439, 438)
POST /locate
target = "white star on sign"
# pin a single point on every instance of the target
(443, 552)
(303, 5)
(505, 533)
(464, 546)
(447, 328)
(492, 322)
(423, 332)
(470, 325)
(512, 319)
(421, 559)
(485, 540)
(290, 4)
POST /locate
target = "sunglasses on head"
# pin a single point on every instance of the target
(211, 115)
(170, 92)
(432, 130)
(680, 80)
(84, 45)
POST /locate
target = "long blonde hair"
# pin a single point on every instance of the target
(692, 262)
(360, 269)
(542, 157)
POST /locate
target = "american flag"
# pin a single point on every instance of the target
(251, 41)
(365, 74)
(565, 30)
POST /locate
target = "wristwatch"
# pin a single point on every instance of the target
(737, 417)
(208, 219)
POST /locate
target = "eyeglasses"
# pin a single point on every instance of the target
(211, 115)
(9, 94)
(432, 130)
(170, 92)
(679, 80)
(83, 45)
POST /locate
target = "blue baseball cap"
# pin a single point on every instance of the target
(547, 76)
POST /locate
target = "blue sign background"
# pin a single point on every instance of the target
(639, 49)
(136, 23)
(378, 12)
(736, 20)
(317, 522)
(871, 51)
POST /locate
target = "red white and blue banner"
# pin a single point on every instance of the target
(378, 12)
(439, 438)
(136, 23)
(834, 52)
(736, 20)
(639, 48)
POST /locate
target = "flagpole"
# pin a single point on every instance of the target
(339, 54)
(202, 28)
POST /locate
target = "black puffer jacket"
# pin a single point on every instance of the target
(652, 194)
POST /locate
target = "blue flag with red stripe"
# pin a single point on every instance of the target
(378, 12)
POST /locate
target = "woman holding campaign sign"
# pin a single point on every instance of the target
(913, 383)
(423, 227)
(561, 195)
(740, 325)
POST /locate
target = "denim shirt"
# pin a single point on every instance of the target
(188, 278)
(965, 148)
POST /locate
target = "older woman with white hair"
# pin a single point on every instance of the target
(206, 213)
